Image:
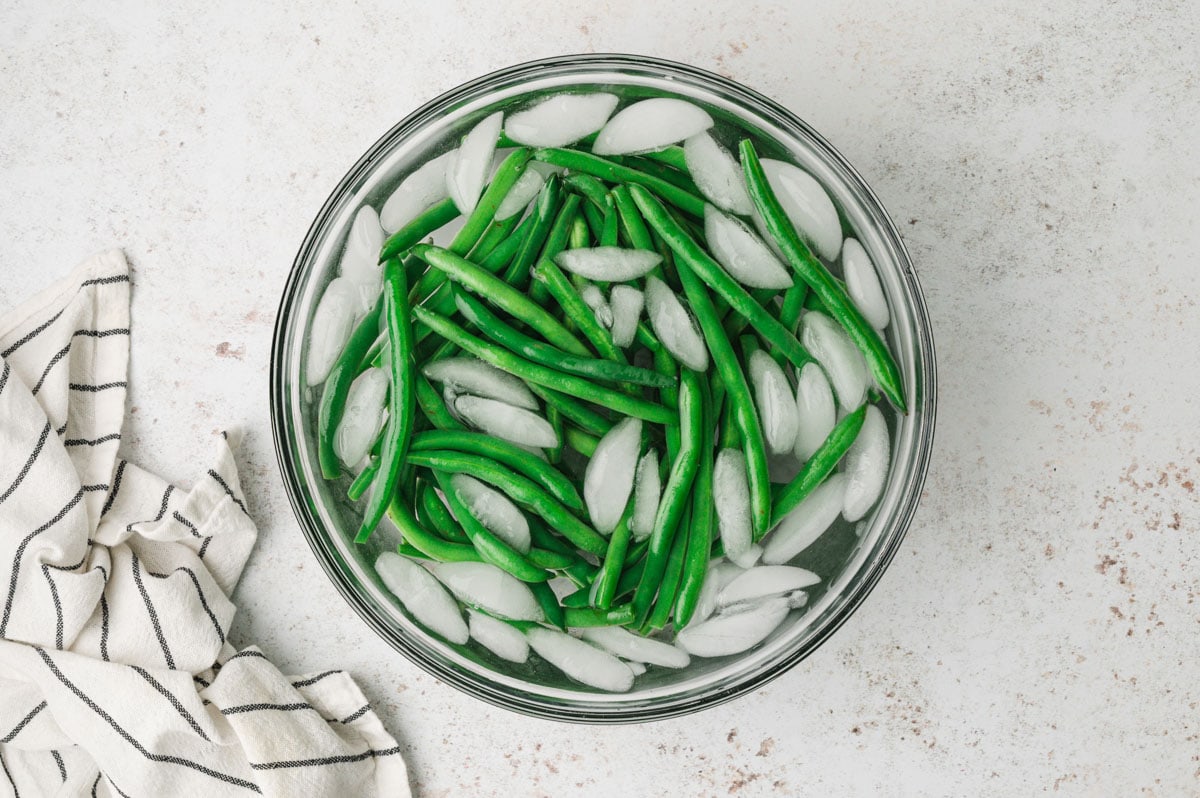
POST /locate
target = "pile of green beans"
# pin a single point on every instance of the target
(496, 293)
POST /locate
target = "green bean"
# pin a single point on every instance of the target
(499, 257)
(555, 419)
(813, 272)
(550, 560)
(614, 563)
(424, 224)
(495, 235)
(579, 617)
(517, 488)
(580, 441)
(337, 388)
(737, 393)
(544, 214)
(543, 538)
(575, 410)
(581, 573)
(549, 604)
(401, 398)
(632, 575)
(542, 375)
(568, 298)
(518, 343)
(438, 517)
(616, 173)
(587, 187)
(425, 541)
(819, 466)
(608, 235)
(519, 460)
(675, 493)
(631, 219)
(433, 407)
(578, 599)
(668, 588)
(491, 548)
(499, 293)
(594, 219)
(662, 171)
(691, 257)
(556, 242)
(363, 481)
(672, 156)
(511, 168)
(700, 535)
(793, 303)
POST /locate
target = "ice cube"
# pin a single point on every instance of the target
(717, 174)
(608, 479)
(650, 125)
(674, 326)
(423, 596)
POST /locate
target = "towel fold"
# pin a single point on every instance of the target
(116, 677)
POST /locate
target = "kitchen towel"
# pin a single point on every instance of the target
(116, 677)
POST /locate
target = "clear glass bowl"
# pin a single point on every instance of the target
(849, 558)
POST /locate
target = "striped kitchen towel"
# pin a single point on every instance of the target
(116, 677)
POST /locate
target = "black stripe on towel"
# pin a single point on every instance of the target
(115, 436)
(101, 333)
(37, 449)
(353, 716)
(59, 355)
(4, 376)
(8, 738)
(228, 491)
(16, 566)
(195, 532)
(172, 760)
(240, 708)
(62, 768)
(158, 632)
(167, 694)
(326, 760)
(31, 334)
(204, 547)
(78, 386)
(116, 278)
(313, 679)
(116, 486)
(103, 628)
(162, 508)
(203, 601)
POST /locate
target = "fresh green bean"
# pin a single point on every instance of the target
(549, 604)
(580, 617)
(578, 599)
(544, 214)
(499, 293)
(519, 460)
(700, 531)
(423, 225)
(631, 219)
(555, 419)
(793, 303)
(616, 173)
(494, 236)
(363, 481)
(425, 541)
(337, 388)
(556, 242)
(663, 171)
(737, 393)
(668, 588)
(542, 375)
(511, 168)
(433, 407)
(581, 230)
(675, 493)
(491, 548)
(580, 441)
(587, 187)
(517, 342)
(819, 466)
(568, 298)
(499, 257)
(690, 256)
(574, 410)
(812, 271)
(672, 156)
(608, 235)
(550, 560)
(438, 518)
(401, 398)
(517, 488)
(614, 562)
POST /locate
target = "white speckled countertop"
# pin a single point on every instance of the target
(1039, 630)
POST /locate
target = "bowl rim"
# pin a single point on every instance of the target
(858, 590)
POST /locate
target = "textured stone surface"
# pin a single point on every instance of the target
(1038, 631)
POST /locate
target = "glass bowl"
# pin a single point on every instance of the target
(849, 558)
